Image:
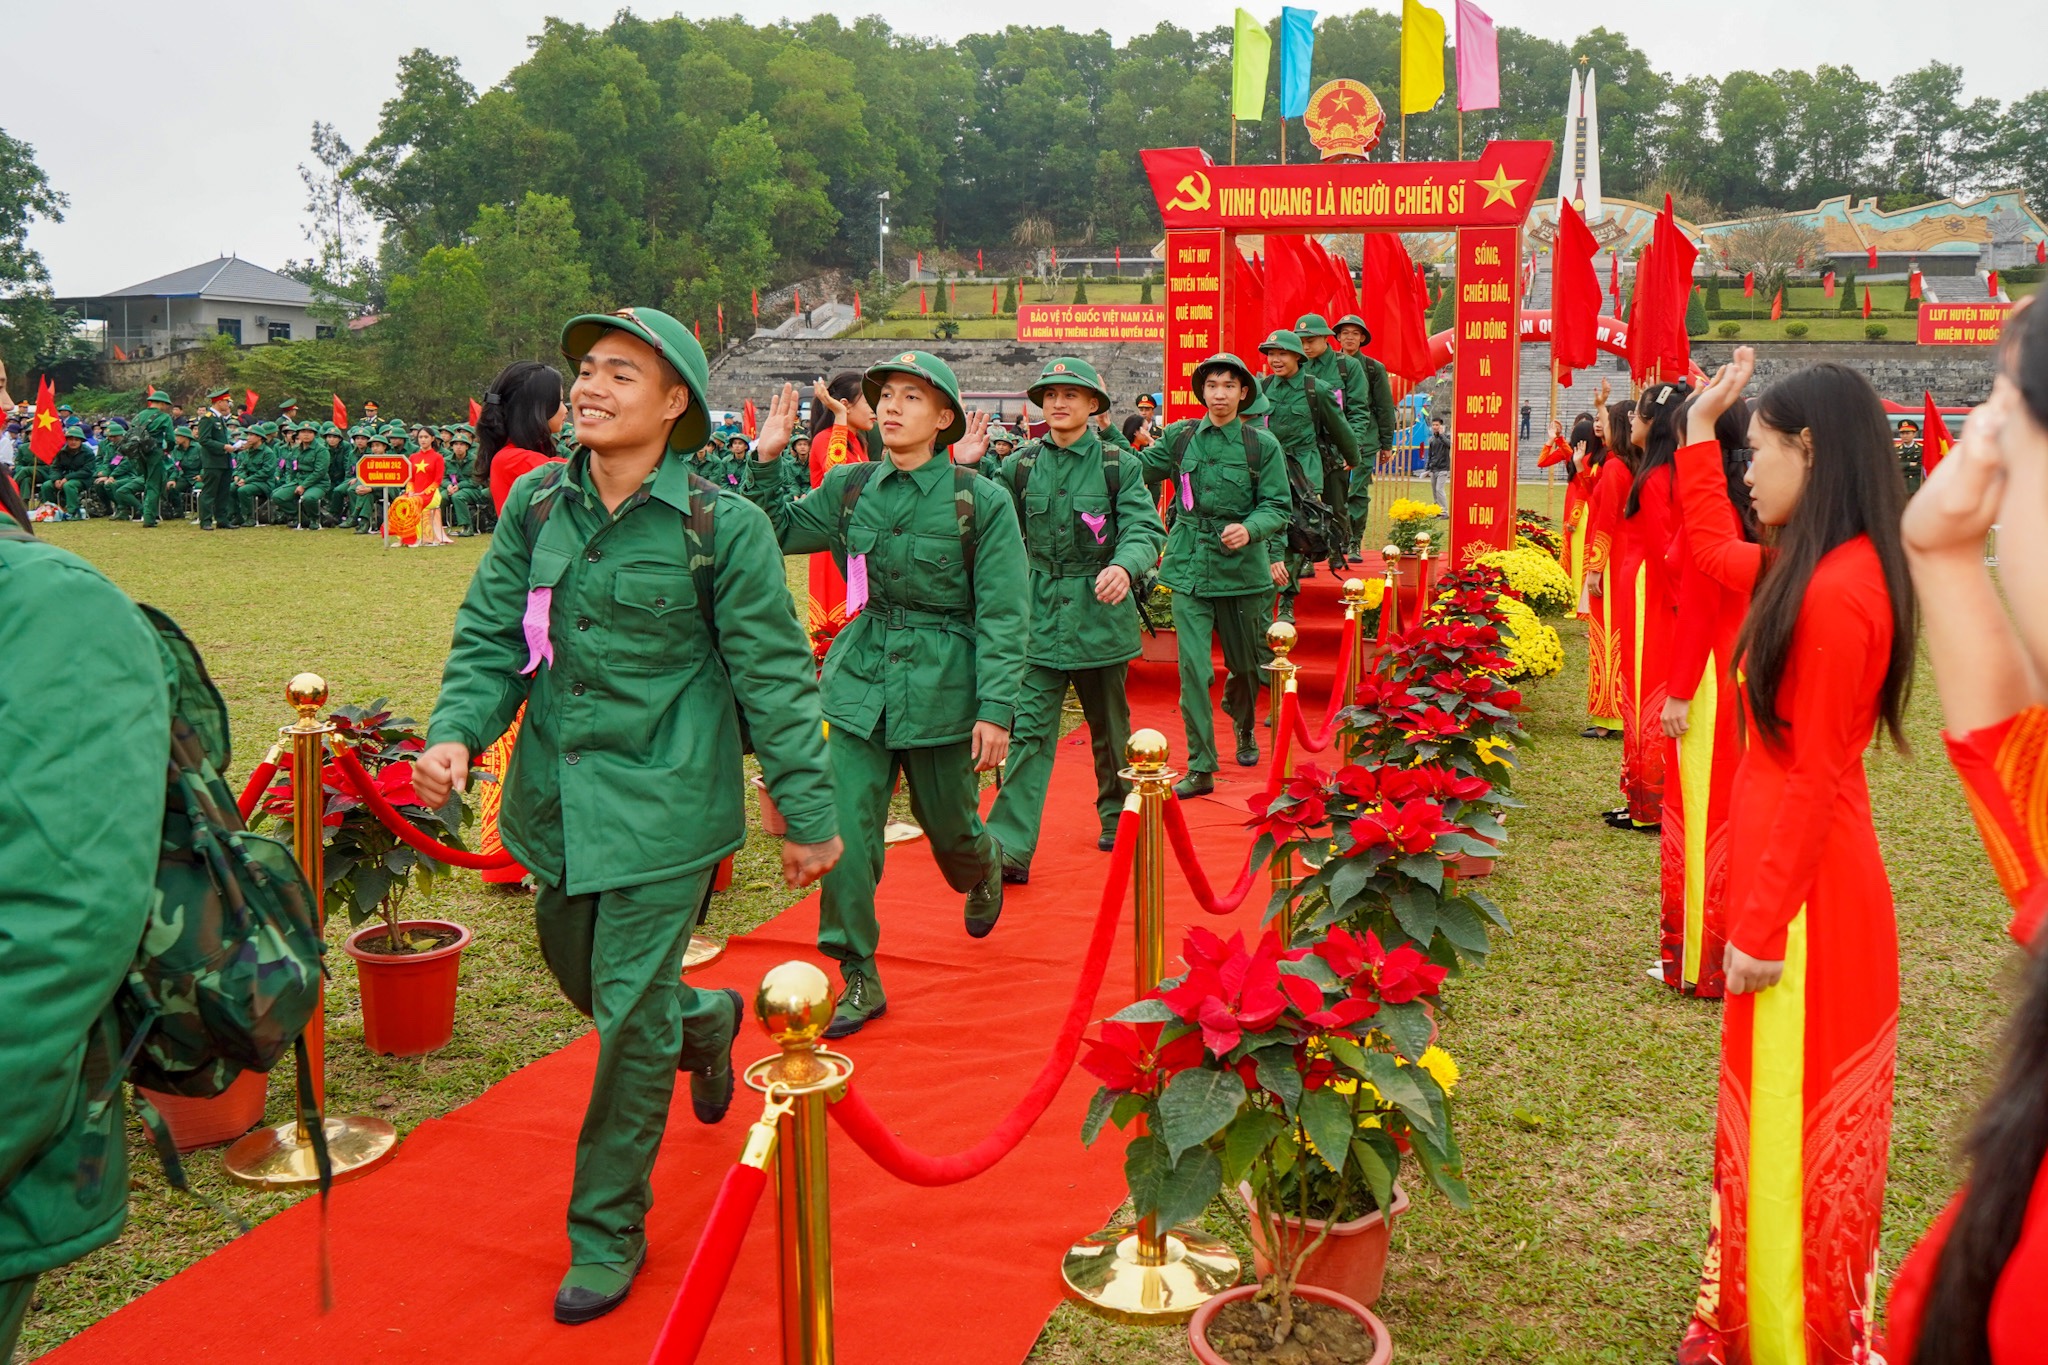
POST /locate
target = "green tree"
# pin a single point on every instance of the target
(1443, 313)
(34, 335)
(533, 257)
(435, 333)
(1695, 315)
(1080, 289)
(1009, 296)
(1847, 300)
(1714, 293)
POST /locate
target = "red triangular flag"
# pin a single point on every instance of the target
(923, 306)
(1873, 257)
(952, 296)
(1574, 292)
(341, 414)
(1778, 304)
(2041, 252)
(1119, 260)
(856, 305)
(1994, 284)
(1913, 285)
(250, 407)
(750, 418)
(46, 435)
(1749, 284)
(696, 329)
(1055, 260)
(1934, 438)
(796, 302)
(476, 413)
(1866, 300)
(721, 319)
(1614, 274)
(755, 295)
(1827, 284)
(920, 263)
(995, 301)
(977, 260)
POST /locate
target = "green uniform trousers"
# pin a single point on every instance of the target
(1240, 622)
(1020, 806)
(14, 1301)
(1358, 503)
(311, 502)
(618, 957)
(216, 497)
(72, 491)
(366, 510)
(945, 797)
(472, 507)
(1337, 496)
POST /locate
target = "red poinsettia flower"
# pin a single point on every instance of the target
(1129, 1057)
(277, 797)
(1231, 992)
(1308, 780)
(1434, 781)
(1384, 694)
(1285, 816)
(1316, 1072)
(1430, 725)
(1395, 977)
(1358, 783)
(1410, 827)
(394, 784)
(1406, 974)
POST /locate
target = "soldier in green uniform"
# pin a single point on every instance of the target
(1002, 443)
(1304, 417)
(1374, 442)
(923, 680)
(108, 468)
(71, 472)
(146, 459)
(471, 499)
(366, 504)
(1223, 556)
(81, 820)
(663, 615)
(287, 413)
(1091, 534)
(257, 472)
(216, 492)
(1342, 375)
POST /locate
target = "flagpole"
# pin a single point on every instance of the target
(1461, 131)
(1233, 139)
(1404, 134)
(1283, 142)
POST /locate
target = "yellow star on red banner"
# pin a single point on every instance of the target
(1500, 189)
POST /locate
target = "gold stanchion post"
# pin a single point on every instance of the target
(1392, 601)
(1138, 1273)
(1280, 684)
(281, 1157)
(794, 1004)
(1354, 625)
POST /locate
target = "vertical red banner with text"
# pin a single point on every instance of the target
(1485, 391)
(1194, 314)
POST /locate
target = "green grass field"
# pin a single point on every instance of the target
(1586, 1107)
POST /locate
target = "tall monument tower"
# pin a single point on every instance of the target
(1578, 164)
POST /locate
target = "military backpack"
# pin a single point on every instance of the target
(1308, 518)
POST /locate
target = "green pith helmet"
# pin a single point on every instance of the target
(157, 396)
(114, 424)
(1223, 360)
(677, 347)
(329, 429)
(72, 429)
(1311, 325)
(933, 371)
(1066, 369)
(1283, 340)
(1353, 320)
(216, 394)
(1260, 406)
(378, 438)
(185, 432)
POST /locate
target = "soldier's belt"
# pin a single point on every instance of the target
(903, 618)
(1051, 570)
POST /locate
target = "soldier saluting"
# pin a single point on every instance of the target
(637, 611)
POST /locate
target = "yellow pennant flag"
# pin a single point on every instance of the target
(1422, 57)
(1251, 58)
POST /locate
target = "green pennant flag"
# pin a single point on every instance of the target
(1251, 58)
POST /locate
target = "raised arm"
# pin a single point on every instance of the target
(1713, 534)
(804, 523)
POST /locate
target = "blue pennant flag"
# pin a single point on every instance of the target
(1297, 53)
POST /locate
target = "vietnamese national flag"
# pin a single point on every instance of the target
(1934, 437)
(1749, 284)
(1873, 257)
(750, 420)
(977, 260)
(46, 434)
(1614, 274)
(341, 413)
(476, 413)
(1778, 304)
(1827, 284)
(1574, 293)
(1994, 284)
(1866, 300)
(1913, 285)
(250, 408)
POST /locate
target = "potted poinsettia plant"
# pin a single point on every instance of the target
(406, 968)
(1255, 1062)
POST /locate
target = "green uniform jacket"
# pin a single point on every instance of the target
(1380, 436)
(932, 653)
(1059, 494)
(68, 463)
(1296, 421)
(341, 463)
(627, 768)
(211, 436)
(1214, 472)
(153, 455)
(1368, 402)
(81, 815)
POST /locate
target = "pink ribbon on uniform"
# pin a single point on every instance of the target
(856, 584)
(1096, 522)
(539, 648)
(1187, 492)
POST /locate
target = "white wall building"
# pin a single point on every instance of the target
(182, 309)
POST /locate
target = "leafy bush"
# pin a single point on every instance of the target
(1145, 292)
(1875, 330)
(1795, 329)
(1009, 296)
(1695, 315)
(1081, 290)
(1730, 329)
(946, 329)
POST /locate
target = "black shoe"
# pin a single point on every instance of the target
(711, 1088)
(1195, 784)
(985, 901)
(1617, 818)
(861, 1001)
(1107, 841)
(1593, 732)
(1247, 749)
(589, 1292)
(1015, 876)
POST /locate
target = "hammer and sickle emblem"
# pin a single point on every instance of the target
(1191, 194)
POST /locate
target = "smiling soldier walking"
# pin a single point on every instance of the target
(638, 612)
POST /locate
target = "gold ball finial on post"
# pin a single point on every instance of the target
(794, 1005)
(1146, 750)
(1354, 593)
(1281, 637)
(1390, 553)
(306, 693)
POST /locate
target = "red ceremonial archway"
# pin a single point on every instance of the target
(1485, 201)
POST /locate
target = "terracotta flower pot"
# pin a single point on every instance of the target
(1465, 866)
(1352, 1260)
(210, 1122)
(1198, 1325)
(721, 877)
(772, 823)
(408, 998)
(1159, 647)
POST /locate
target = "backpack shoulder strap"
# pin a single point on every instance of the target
(543, 501)
(1113, 476)
(1254, 450)
(700, 535)
(1016, 470)
(963, 512)
(857, 476)
(1181, 441)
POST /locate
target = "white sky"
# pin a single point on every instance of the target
(201, 113)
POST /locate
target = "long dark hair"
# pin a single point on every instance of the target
(845, 386)
(1731, 433)
(1586, 431)
(1853, 488)
(517, 408)
(1659, 407)
(2006, 1148)
(1617, 422)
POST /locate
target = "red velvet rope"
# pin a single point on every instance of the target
(689, 1317)
(886, 1150)
(366, 791)
(253, 792)
(1332, 714)
(1191, 864)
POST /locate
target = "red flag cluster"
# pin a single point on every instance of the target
(1298, 276)
(1574, 295)
(1657, 345)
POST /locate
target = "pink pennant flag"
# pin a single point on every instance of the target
(856, 584)
(1478, 59)
(1098, 523)
(539, 648)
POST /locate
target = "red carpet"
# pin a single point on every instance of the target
(452, 1251)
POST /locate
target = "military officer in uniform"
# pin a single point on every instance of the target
(1911, 456)
(663, 617)
(1223, 560)
(1375, 442)
(1304, 417)
(216, 455)
(923, 680)
(1091, 534)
